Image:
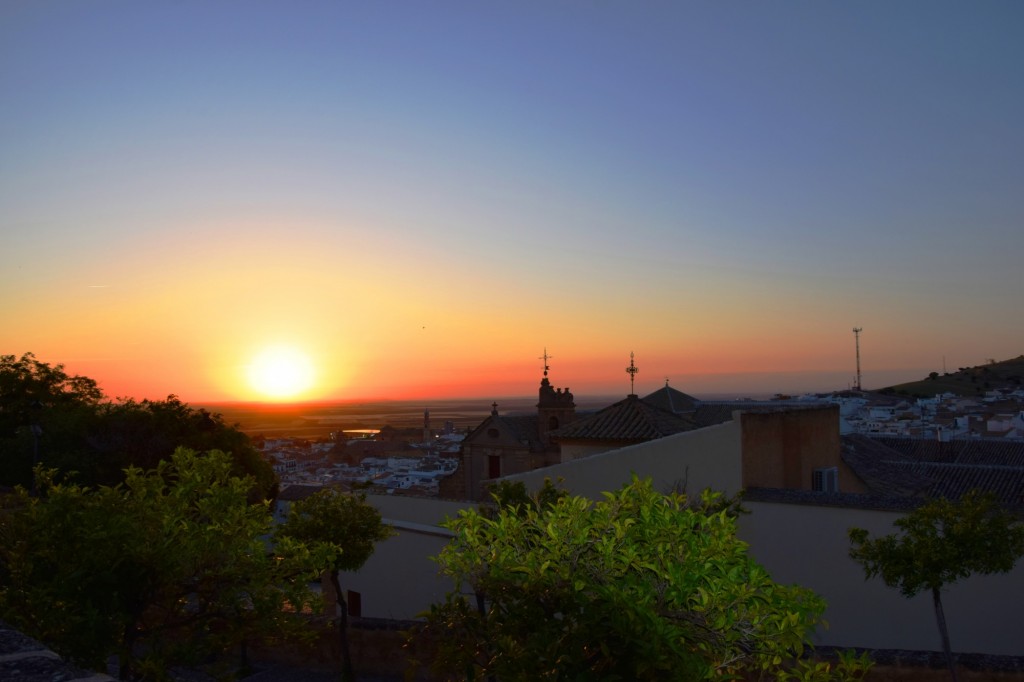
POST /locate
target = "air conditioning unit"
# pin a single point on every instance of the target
(825, 480)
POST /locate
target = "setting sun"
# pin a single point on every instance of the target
(281, 373)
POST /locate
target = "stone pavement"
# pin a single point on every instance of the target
(23, 659)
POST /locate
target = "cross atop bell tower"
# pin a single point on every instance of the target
(555, 407)
(631, 371)
(545, 358)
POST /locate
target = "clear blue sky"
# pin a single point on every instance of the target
(421, 196)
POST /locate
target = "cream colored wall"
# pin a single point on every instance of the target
(427, 510)
(570, 452)
(400, 580)
(801, 544)
(705, 458)
(808, 545)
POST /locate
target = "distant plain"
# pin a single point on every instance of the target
(320, 419)
(314, 420)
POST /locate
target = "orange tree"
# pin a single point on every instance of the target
(171, 566)
(939, 543)
(638, 586)
(342, 520)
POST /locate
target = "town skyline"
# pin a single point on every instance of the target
(339, 201)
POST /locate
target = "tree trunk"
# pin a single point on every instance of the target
(481, 607)
(126, 656)
(940, 616)
(347, 674)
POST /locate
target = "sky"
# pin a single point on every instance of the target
(420, 199)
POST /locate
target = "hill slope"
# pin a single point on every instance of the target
(967, 381)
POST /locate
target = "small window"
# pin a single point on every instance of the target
(825, 480)
(553, 423)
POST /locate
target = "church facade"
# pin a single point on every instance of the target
(510, 444)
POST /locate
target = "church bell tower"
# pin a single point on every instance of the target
(555, 407)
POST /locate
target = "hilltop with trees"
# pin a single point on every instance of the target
(966, 381)
(147, 534)
(63, 421)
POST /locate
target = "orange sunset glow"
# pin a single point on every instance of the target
(281, 373)
(283, 204)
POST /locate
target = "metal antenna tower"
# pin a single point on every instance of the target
(856, 337)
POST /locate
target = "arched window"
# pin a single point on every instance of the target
(552, 423)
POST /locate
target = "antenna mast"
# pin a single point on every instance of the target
(856, 337)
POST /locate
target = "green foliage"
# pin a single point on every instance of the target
(513, 496)
(942, 542)
(638, 586)
(30, 393)
(27, 384)
(340, 519)
(63, 422)
(171, 566)
(141, 434)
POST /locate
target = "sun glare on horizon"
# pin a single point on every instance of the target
(281, 373)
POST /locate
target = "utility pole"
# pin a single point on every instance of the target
(856, 337)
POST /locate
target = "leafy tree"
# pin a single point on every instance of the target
(63, 421)
(171, 566)
(142, 433)
(512, 495)
(638, 586)
(25, 381)
(940, 543)
(30, 389)
(340, 520)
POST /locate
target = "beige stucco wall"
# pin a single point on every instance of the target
(800, 544)
(426, 510)
(808, 545)
(571, 451)
(400, 580)
(706, 458)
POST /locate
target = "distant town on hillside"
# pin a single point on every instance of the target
(409, 448)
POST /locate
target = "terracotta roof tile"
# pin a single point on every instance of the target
(929, 468)
(630, 420)
(668, 398)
